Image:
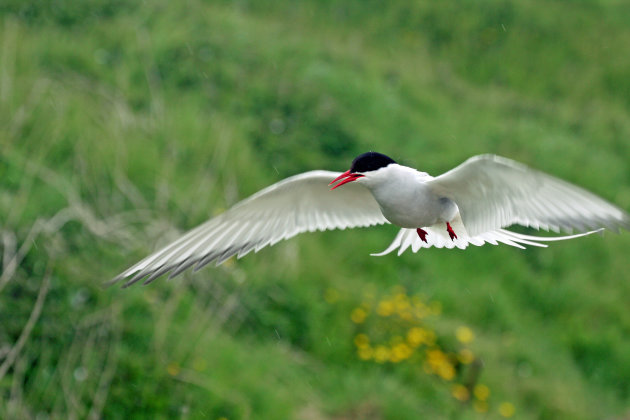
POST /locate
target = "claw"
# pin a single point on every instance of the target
(450, 231)
(422, 234)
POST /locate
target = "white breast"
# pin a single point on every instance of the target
(404, 198)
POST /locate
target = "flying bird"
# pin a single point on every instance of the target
(470, 204)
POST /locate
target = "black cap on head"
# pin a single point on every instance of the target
(370, 161)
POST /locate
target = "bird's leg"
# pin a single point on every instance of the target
(450, 231)
(422, 234)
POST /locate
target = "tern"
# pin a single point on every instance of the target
(470, 204)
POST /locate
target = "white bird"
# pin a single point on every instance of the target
(470, 204)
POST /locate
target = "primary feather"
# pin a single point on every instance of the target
(297, 204)
(493, 192)
(438, 237)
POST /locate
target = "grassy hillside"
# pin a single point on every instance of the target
(123, 123)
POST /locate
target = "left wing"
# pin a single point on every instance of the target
(493, 192)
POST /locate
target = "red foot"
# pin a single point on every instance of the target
(422, 234)
(449, 229)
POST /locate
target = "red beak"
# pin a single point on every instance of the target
(349, 177)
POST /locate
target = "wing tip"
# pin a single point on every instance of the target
(109, 283)
(625, 221)
(380, 254)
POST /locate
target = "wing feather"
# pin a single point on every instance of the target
(493, 192)
(438, 238)
(297, 204)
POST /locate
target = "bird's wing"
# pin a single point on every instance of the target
(494, 192)
(297, 204)
(438, 237)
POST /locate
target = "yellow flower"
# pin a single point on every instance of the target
(405, 315)
(440, 364)
(404, 350)
(464, 335)
(506, 409)
(435, 355)
(385, 308)
(481, 391)
(416, 336)
(361, 340)
(400, 352)
(365, 353)
(446, 371)
(480, 406)
(394, 358)
(381, 354)
(460, 392)
(358, 315)
(465, 356)
(420, 309)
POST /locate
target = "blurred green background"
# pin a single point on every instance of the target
(123, 123)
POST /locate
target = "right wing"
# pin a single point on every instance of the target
(297, 204)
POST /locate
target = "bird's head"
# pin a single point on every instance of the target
(362, 166)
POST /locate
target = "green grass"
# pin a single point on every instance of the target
(122, 123)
